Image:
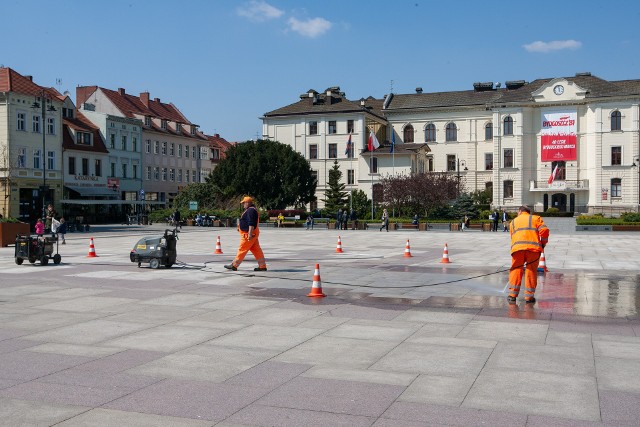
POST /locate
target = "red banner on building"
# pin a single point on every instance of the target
(558, 136)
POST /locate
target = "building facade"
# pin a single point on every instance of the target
(571, 143)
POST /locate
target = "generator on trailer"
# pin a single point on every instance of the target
(36, 248)
(157, 251)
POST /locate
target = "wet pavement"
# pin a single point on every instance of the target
(398, 341)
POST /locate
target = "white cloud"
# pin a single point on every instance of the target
(311, 27)
(259, 11)
(544, 47)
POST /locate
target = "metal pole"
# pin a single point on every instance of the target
(44, 157)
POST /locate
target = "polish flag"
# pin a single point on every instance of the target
(553, 175)
(373, 141)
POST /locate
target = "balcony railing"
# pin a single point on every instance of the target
(560, 185)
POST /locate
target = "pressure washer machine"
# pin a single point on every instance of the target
(36, 248)
(157, 251)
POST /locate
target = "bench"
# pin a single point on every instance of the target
(439, 226)
(406, 226)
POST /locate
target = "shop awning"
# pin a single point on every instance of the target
(110, 202)
(94, 191)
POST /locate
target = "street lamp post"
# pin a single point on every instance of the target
(636, 165)
(43, 126)
(458, 176)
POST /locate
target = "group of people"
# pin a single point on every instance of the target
(343, 217)
(57, 228)
(496, 217)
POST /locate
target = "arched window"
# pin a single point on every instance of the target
(488, 131)
(616, 120)
(451, 133)
(408, 133)
(508, 126)
(430, 133)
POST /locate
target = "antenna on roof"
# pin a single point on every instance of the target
(391, 87)
(58, 82)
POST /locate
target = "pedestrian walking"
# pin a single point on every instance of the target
(249, 232)
(339, 220)
(529, 236)
(385, 220)
(505, 221)
(496, 218)
(62, 230)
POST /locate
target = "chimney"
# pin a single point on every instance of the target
(157, 100)
(144, 97)
(418, 90)
(121, 91)
(29, 77)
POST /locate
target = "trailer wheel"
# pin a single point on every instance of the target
(32, 260)
(44, 260)
(19, 261)
(154, 263)
(56, 259)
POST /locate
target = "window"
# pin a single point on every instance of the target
(124, 170)
(164, 148)
(194, 152)
(313, 128)
(156, 173)
(22, 158)
(561, 174)
(508, 126)
(72, 165)
(408, 133)
(488, 161)
(373, 165)
(37, 159)
(451, 162)
(451, 132)
(204, 151)
(333, 151)
(179, 150)
(488, 131)
(350, 177)
(134, 171)
(98, 167)
(164, 123)
(172, 149)
(179, 175)
(430, 133)
(134, 144)
(147, 121)
(616, 122)
(193, 129)
(508, 189)
(616, 187)
(488, 186)
(51, 160)
(186, 151)
(164, 174)
(123, 142)
(314, 175)
(36, 124)
(156, 147)
(112, 140)
(112, 169)
(430, 166)
(148, 173)
(147, 146)
(313, 151)
(85, 167)
(172, 174)
(332, 127)
(51, 126)
(215, 154)
(83, 138)
(186, 176)
(507, 159)
(616, 156)
(67, 113)
(179, 127)
(21, 121)
(193, 176)
(350, 127)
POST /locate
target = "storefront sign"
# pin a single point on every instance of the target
(558, 136)
(85, 178)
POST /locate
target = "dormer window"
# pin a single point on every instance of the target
(179, 127)
(83, 138)
(193, 129)
(164, 124)
(147, 121)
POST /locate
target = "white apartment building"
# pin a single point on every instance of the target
(583, 130)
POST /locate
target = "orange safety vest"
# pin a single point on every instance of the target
(528, 233)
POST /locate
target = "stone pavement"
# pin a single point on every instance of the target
(398, 341)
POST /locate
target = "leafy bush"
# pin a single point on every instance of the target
(631, 217)
(9, 219)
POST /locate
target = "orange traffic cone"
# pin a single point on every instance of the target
(218, 247)
(445, 255)
(542, 266)
(316, 288)
(407, 250)
(339, 246)
(92, 249)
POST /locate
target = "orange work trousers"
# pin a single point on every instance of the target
(247, 245)
(518, 259)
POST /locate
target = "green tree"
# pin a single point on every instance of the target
(335, 195)
(464, 205)
(273, 173)
(199, 192)
(361, 204)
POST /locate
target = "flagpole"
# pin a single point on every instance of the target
(354, 174)
(393, 165)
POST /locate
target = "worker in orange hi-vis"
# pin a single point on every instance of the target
(249, 232)
(529, 236)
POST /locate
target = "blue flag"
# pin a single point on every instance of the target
(348, 149)
(393, 141)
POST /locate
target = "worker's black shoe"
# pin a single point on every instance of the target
(260, 269)
(231, 267)
(530, 300)
(511, 299)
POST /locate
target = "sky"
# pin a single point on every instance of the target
(225, 63)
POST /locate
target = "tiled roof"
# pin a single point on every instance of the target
(82, 124)
(12, 81)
